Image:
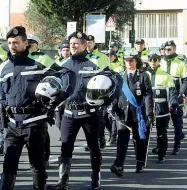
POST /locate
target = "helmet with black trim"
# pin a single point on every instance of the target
(98, 90)
(48, 86)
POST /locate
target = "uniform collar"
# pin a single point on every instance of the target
(80, 57)
(19, 59)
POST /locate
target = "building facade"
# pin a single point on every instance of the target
(159, 21)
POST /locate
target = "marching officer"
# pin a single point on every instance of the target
(78, 113)
(161, 50)
(176, 67)
(25, 118)
(101, 60)
(94, 53)
(135, 111)
(45, 60)
(64, 52)
(36, 54)
(114, 63)
(119, 52)
(165, 97)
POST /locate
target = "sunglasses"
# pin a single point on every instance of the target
(153, 59)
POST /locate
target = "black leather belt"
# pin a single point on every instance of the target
(23, 110)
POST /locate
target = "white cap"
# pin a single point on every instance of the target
(33, 37)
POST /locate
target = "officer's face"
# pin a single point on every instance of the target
(140, 46)
(33, 47)
(90, 46)
(17, 45)
(169, 50)
(77, 46)
(130, 64)
(65, 52)
(162, 51)
(115, 48)
(154, 63)
(112, 58)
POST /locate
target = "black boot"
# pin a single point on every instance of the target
(7, 181)
(176, 147)
(64, 171)
(39, 181)
(95, 184)
(163, 145)
(95, 164)
(155, 150)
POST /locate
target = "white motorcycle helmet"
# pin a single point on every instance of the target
(46, 88)
(98, 87)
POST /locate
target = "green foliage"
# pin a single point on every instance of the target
(71, 10)
(48, 17)
(49, 31)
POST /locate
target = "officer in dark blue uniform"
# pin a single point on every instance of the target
(25, 118)
(139, 85)
(77, 114)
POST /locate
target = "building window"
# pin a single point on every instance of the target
(161, 25)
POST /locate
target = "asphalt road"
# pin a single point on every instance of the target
(171, 175)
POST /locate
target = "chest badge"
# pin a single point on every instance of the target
(157, 92)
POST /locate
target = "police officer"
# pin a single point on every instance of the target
(117, 66)
(165, 97)
(25, 118)
(161, 50)
(101, 61)
(132, 114)
(94, 53)
(78, 114)
(45, 60)
(64, 52)
(36, 54)
(119, 52)
(176, 67)
(114, 63)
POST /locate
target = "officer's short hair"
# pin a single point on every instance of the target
(17, 31)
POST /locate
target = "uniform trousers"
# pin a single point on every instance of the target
(69, 130)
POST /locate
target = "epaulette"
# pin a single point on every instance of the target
(37, 53)
(182, 57)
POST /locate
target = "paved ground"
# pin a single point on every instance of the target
(171, 175)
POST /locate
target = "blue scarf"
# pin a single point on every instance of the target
(142, 129)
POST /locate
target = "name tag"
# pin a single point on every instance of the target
(138, 92)
(88, 68)
(31, 67)
(157, 92)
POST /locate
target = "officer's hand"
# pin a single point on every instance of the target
(173, 109)
(181, 98)
(50, 117)
(150, 121)
(59, 97)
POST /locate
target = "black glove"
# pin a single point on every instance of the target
(173, 109)
(50, 117)
(181, 98)
(150, 121)
(58, 97)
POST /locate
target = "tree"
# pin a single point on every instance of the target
(49, 31)
(71, 10)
